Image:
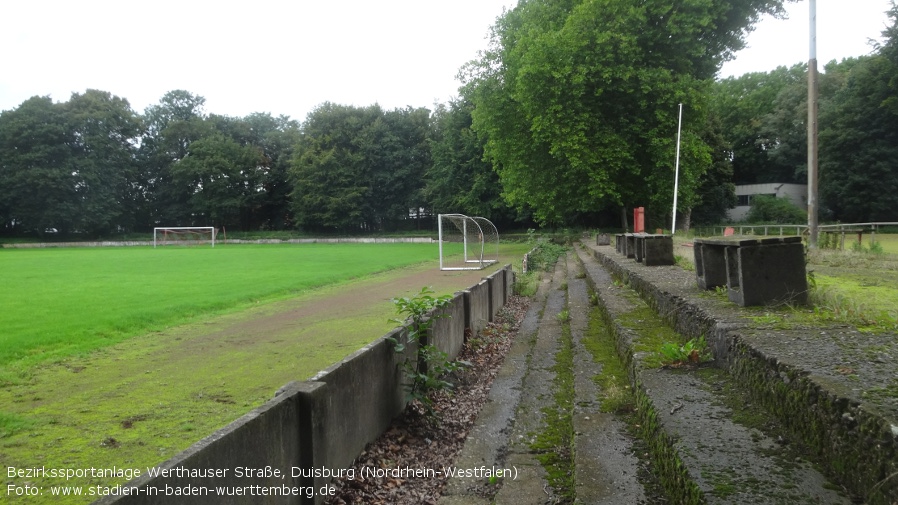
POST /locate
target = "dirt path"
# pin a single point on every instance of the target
(141, 401)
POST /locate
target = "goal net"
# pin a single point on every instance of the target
(184, 235)
(467, 243)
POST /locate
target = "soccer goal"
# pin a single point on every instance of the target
(184, 235)
(467, 243)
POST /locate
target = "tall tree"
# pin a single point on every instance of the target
(69, 166)
(274, 138)
(360, 168)
(330, 183)
(171, 125)
(460, 180)
(396, 154)
(859, 146)
(36, 181)
(578, 99)
(104, 132)
(224, 179)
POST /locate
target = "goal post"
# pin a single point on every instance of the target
(183, 235)
(467, 243)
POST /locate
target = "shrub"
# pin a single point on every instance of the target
(428, 370)
(769, 209)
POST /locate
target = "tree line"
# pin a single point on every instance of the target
(569, 117)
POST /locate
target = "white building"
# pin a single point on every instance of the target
(796, 193)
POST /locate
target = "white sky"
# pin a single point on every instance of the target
(844, 28)
(288, 56)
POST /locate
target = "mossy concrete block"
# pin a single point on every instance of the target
(766, 274)
(756, 271)
(654, 250)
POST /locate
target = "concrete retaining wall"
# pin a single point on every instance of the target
(448, 329)
(477, 306)
(496, 283)
(509, 282)
(266, 437)
(312, 428)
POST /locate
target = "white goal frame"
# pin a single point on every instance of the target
(479, 237)
(165, 229)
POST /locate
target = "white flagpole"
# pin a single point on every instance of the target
(673, 225)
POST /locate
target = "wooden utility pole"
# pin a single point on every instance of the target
(812, 130)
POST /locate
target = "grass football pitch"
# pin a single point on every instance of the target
(60, 302)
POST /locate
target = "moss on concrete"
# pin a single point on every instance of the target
(554, 445)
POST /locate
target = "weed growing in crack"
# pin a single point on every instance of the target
(427, 370)
(691, 353)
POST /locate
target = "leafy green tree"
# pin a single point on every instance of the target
(578, 99)
(104, 132)
(171, 125)
(859, 146)
(460, 180)
(752, 108)
(224, 180)
(395, 151)
(360, 169)
(36, 182)
(69, 166)
(330, 179)
(716, 190)
(274, 138)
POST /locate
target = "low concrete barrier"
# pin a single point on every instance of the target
(448, 330)
(496, 283)
(509, 282)
(290, 448)
(267, 437)
(477, 306)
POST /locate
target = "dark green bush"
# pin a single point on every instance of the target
(769, 209)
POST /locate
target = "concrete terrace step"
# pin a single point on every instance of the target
(488, 442)
(531, 487)
(708, 442)
(605, 467)
(832, 386)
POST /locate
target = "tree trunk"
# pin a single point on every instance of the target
(623, 219)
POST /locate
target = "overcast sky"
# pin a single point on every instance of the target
(288, 56)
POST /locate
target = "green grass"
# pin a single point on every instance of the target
(60, 302)
(889, 243)
(140, 401)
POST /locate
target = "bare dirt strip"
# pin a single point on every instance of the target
(140, 402)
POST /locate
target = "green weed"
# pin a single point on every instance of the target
(691, 353)
(427, 371)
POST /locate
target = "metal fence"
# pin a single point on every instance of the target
(790, 229)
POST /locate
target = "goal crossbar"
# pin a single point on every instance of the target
(176, 231)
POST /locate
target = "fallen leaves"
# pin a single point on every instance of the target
(418, 441)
